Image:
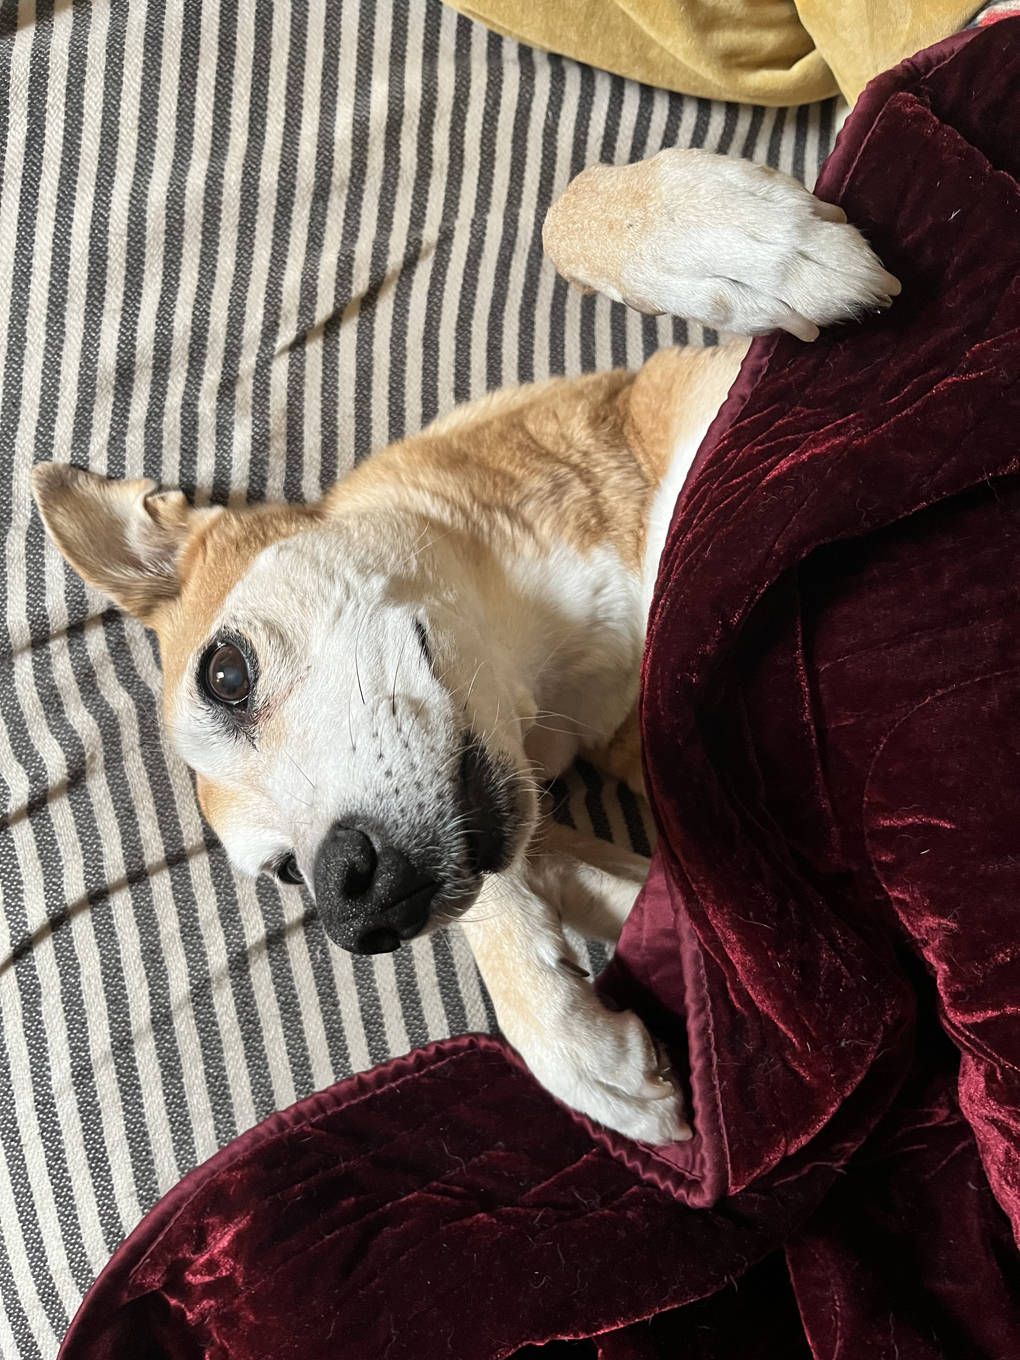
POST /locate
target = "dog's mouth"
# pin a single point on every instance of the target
(489, 806)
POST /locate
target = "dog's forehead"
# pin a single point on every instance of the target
(307, 594)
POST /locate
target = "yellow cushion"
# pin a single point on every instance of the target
(751, 51)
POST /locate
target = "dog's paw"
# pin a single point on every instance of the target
(719, 240)
(604, 1064)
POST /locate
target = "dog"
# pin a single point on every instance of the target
(372, 689)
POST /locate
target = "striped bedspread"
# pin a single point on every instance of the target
(241, 246)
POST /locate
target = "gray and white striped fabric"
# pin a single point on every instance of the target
(241, 246)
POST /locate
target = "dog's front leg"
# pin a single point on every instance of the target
(716, 239)
(590, 883)
(595, 1060)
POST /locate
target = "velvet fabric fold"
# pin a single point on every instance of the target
(829, 941)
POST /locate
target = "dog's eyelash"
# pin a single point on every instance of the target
(423, 642)
(241, 726)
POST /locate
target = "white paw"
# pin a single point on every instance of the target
(605, 1064)
(720, 240)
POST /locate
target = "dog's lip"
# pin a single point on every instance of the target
(487, 807)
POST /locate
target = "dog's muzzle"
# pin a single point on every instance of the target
(371, 898)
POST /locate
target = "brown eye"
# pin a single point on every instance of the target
(225, 675)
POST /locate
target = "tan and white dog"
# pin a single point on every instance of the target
(370, 689)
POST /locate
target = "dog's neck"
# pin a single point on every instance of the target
(566, 630)
(525, 628)
(533, 520)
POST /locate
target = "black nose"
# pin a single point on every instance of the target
(370, 896)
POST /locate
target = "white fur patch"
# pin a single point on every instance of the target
(664, 504)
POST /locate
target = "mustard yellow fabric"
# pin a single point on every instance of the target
(751, 51)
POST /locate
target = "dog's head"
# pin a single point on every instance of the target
(328, 683)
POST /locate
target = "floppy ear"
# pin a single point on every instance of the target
(123, 537)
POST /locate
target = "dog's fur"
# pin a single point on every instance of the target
(464, 613)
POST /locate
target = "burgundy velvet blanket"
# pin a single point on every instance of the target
(830, 939)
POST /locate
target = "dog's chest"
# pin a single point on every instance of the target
(586, 632)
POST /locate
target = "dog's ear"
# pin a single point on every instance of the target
(123, 537)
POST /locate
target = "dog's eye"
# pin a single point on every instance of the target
(288, 872)
(225, 675)
(423, 641)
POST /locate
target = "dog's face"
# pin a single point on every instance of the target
(332, 697)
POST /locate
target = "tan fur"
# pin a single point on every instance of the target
(548, 464)
(622, 755)
(677, 390)
(628, 201)
(122, 537)
(216, 801)
(571, 460)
